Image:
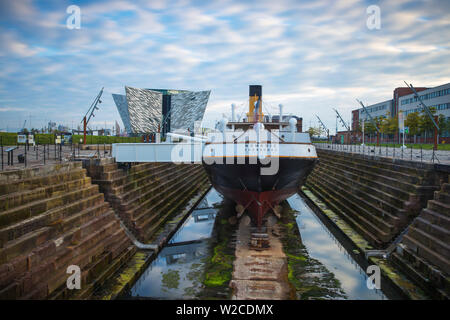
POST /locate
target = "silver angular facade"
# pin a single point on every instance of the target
(122, 106)
(187, 108)
(145, 109)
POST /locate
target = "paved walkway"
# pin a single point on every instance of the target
(35, 155)
(439, 156)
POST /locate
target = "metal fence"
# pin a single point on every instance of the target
(25, 155)
(418, 153)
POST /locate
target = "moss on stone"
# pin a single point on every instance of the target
(301, 265)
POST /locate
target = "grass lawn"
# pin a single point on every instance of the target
(427, 146)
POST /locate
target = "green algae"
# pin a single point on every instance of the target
(308, 278)
(126, 277)
(218, 269)
(171, 279)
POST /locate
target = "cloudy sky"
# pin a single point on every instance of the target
(309, 55)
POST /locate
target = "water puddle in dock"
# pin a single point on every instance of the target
(177, 270)
(176, 273)
(323, 246)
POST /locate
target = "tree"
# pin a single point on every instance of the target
(413, 122)
(442, 125)
(313, 131)
(425, 124)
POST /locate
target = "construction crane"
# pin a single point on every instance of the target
(91, 110)
(342, 120)
(325, 128)
(428, 112)
(371, 120)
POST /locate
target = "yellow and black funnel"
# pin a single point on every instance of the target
(255, 113)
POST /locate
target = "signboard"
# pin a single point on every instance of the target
(58, 140)
(406, 130)
(31, 139)
(21, 138)
(401, 122)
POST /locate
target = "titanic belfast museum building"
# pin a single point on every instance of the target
(164, 110)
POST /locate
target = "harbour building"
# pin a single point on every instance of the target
(405, 101)
(161, 110)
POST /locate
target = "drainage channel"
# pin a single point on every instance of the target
(177, 271)
(323, 246)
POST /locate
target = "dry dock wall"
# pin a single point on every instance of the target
(144, 195)
(381, 198)
(424, 252)
(50, 218)
(55, 216)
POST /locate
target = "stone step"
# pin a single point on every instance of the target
(113, 174)
(31, 240)
(375, 188)
(140, 201)
(421, 272)
(148, 228)
(166, 176)
(16, 199)
(120, 181)
(428, 254)
(49, 218)
(331, 203)
(436, 230)
(436, 218)
(150, 174)
(25, 243)
(8, 177)
(38, 207)
(378, 216)
(370, 222)
(36, 182)
(440, 207)
(52, 273)
(442, 196)
(446, 187)
(343, 204)
(426, 240)
(159, 198)
(394, 178)
(393, 207)
(409, 168)
(171, 202)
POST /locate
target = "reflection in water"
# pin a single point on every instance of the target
(323, 246)
(176, 272)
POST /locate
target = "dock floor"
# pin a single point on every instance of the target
(259, 274)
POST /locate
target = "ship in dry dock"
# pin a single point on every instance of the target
(258, 163)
